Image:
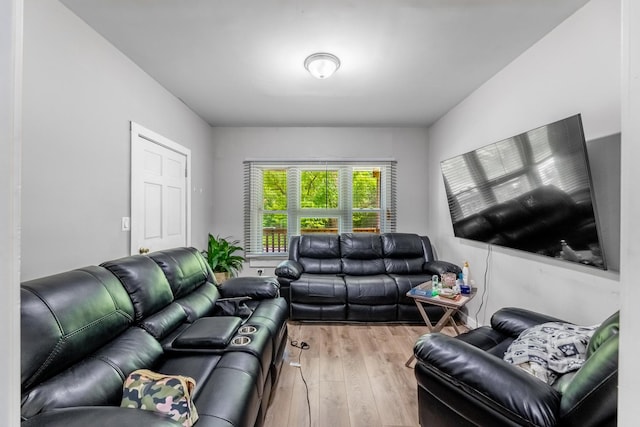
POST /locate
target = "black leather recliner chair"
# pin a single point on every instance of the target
(463, 381)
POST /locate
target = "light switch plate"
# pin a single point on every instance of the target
(126, 223)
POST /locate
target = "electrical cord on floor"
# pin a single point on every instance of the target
(303, 346)
(485, 284)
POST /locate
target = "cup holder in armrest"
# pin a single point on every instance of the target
(240, 340)
(247, 330)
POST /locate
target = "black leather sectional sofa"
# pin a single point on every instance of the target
(463, 381)
(358, 277)
(84, 331)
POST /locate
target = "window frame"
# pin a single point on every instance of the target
(254, 189)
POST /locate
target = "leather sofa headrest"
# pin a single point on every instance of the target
(402, 245)
(66, 317)
(360, 246)
(145, 282)
(185, 269)
(321, 246)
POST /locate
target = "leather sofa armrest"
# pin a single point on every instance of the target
(289, 269)
(512, 321)
(257, 288)
(208, 332)
(486, 379)
(440, 267)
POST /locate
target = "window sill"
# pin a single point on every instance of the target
(260, 261)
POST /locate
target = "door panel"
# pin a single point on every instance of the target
(174, 213)
(152, 211)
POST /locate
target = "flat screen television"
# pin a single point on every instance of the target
(531, 192)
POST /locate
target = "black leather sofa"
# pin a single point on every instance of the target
(463, 381)
(84, 331)
(358, 276)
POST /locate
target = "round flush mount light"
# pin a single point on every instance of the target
(322, 65)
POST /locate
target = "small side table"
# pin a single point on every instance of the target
(450, 306)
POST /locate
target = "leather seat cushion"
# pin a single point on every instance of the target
(363, 267)
(321, 265)
(228, 387)
(371, 290)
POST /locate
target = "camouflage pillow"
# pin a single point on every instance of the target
(167, 394)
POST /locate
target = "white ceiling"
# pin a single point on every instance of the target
(404, 62)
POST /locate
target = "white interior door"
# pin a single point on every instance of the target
(160, 182)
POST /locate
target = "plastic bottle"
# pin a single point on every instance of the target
(435, 280)
(465, 273)
(434, 290)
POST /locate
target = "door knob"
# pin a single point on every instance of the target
(143, 251)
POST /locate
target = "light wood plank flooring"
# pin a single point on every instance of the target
(355, 374)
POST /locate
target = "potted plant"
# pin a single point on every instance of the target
(221, 257)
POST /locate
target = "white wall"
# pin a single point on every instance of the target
(10, 139)
(574, 69)
(629, 376)
(80, 94)
(234, 145)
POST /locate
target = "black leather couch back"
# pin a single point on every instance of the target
(361, 254)
(149, 289)
(184, 268)
(135, 273)
(68, 316)
(405, 253)
(77, 340)
(191, 280)
(319, 254)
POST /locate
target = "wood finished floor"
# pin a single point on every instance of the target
(355, 374)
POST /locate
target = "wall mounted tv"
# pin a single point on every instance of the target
(531, 192)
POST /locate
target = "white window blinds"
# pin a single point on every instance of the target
(283, 199)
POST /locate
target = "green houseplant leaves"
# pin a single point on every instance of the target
(221, 255)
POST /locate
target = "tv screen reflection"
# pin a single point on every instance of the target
(530, 192)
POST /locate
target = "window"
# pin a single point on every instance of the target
(291, 198)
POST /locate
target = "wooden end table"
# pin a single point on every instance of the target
(450, 306)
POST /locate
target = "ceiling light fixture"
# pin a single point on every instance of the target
(322, 65)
